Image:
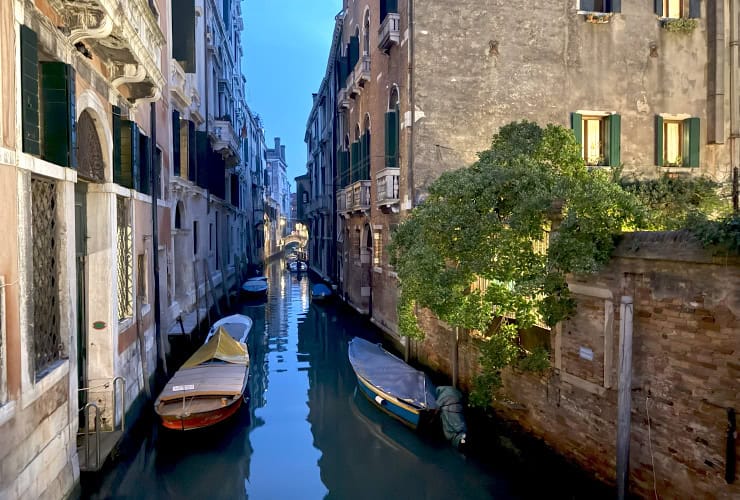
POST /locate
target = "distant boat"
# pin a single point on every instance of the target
(398, 389)
(209, 387)
(320, 292)
(297, 266)
(237, 325)
(255, 287)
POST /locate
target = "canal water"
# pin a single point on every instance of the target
(307, 433)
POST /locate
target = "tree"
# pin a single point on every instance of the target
(482, 222)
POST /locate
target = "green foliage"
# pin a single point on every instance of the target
(680, 25)
(669, 202)
(536, 361)
(722, 233)
(481, 222)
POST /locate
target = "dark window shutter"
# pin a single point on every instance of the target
(354, 52)
(387, 7)
(176, 142)
(691, 138)
(129, 176)
(576, 124)
(183, 37)
(366, 155)
(116, 131)
(658, 7)
(659, 140)
(192, 153)
(144, 165)
(202, 164)
(615, 131)
(30, 91)
(354, 160)
(615, 6)
(391, 139)
(58, 104)
(694, 9)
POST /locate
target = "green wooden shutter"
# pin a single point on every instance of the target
(366, 172)
(354, 160)
(691, 138)
(615, 131)
(58, 104)
(30, 91)
(659, 140)
(576, 124)
(116, 131)
(145, 185)
(391, 139)
(193, 153)
(354, 52)
(616, 6)
(176, 143)
(129, 176)
(694, 9)
(658, 7)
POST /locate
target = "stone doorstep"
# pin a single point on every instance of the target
(189, 323)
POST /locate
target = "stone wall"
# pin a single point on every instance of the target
(685, 371)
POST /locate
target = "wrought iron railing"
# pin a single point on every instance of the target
(125, 259)
(47, 339)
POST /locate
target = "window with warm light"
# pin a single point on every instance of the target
(677, 141)
(673, 8)
(599, 137)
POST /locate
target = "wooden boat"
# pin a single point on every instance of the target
(320, 292)
(209, 387)
(255, 287)
(392, 385)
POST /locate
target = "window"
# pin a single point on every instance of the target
(677, 9)
(305, 197)
(377, 248)
(677, 141)
(195, 237)
(599, 137)
(600, 5)
(125, 259)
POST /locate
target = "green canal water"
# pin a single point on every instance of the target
(307, 433)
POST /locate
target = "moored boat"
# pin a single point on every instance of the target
(398, 389)
(255, 287)
(209, 387)
(320, 292)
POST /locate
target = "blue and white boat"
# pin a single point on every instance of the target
(255, 286)
(398, 389)
(320, 292)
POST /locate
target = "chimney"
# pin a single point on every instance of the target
(277, 143)
(314, 95)
(282, 152)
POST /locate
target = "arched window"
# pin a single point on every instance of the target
(365, 150)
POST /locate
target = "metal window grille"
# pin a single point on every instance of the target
(125, 259)
(47, 339)
(377, 248)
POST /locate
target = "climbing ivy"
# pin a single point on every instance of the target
(480, 222)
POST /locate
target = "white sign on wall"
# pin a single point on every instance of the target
(586, 353)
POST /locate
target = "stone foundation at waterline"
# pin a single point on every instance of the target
(685, 371)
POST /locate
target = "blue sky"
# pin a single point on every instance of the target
(286, 46)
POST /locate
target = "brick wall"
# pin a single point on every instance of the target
(686, 347)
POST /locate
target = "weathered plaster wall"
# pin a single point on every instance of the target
(480, 65)
(686, 345)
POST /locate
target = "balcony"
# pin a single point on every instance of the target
(342, 100)
(362, 71)
(125, 35)
(387, 181)
(224, 140)
(358, 196)
(180, 86)
(389, 33)
(353, 90)
(342, 201)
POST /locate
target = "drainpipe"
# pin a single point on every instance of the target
(153, 182)
(411, 191)
(717, 74)
(734, 100)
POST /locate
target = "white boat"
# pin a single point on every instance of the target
(255, 287)
(237, 325)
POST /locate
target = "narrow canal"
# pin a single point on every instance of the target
(308, 434)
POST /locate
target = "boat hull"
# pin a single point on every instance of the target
(200, 420)
(399, 410)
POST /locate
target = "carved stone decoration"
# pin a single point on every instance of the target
(90, 162)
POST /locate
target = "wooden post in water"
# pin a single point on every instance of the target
(455, 357)
(212, 290)
(624, 398)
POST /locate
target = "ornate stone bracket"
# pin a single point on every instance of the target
(101, 29)
(127, 73)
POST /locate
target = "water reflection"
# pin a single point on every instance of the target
(306, 432)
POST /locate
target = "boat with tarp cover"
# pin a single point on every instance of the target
(209, 387)
(392, 385)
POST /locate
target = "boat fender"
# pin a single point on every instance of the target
(379, 400)
(450, 403)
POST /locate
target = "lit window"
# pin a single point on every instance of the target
(377, 248)
(672, 135)
(593, 140)
(677, 141)
(672, 8)
(599, 137)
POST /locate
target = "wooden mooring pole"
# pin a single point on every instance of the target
(624, 399)
(455, 356)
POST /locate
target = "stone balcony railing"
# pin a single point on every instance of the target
(353, 90)
(125, 35)
(389, 33)
(342, 201)
(342, 99)
(225, 141)
(358, 196)
(179, 85)
(387, 183)
(362, 71)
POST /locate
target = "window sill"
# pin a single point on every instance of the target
(124, 324)
(597, 17)
(45, 384)
(7, 412)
